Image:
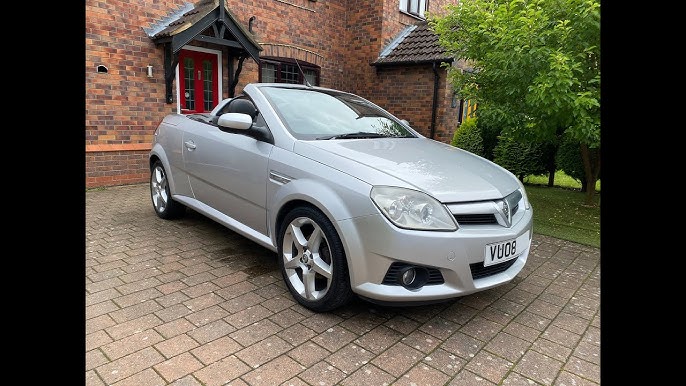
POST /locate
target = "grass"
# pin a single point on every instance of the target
(561, 180)
(560, 211)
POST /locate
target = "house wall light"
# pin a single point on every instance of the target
(149, 71)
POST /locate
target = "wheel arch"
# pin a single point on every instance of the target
(158, 154)
(331, 202)
(338, 291)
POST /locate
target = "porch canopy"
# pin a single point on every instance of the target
(205, 21)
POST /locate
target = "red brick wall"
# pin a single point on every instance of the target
(116, 168)
(395, 20)
(307, 30)
(124, 106)
(446, 115)
(407, 92)
(363, 44)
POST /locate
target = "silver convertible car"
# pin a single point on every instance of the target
(352, 199)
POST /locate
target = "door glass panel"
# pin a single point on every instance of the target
(207, 85)
(189, 83)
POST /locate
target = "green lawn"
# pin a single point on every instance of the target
(560, 211)
(561, 180)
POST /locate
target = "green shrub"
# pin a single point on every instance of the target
(568, 158)
(468, 137)
(523, 158)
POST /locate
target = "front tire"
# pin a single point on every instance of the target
(162, 200)
(312, 260)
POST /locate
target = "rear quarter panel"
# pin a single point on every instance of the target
(167, 146)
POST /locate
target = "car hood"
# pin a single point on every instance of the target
(446, 172)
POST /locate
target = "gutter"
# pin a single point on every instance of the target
(409, 62)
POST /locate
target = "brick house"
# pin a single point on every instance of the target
(145, 59)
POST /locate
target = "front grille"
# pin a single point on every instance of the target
(391, 278)
(476, 219)
(487, 212)
(479, 271)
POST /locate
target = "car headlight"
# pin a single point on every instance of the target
(525, 198)
(412, 209)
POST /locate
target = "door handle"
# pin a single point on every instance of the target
(190, 145)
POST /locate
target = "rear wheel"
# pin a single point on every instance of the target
(312, 260)
(162, 200)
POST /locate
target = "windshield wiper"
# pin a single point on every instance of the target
(359, 134)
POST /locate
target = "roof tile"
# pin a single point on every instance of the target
(415, 44)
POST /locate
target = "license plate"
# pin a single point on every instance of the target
(497, 253)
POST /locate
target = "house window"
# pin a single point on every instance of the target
(414, 7)
(280, 70)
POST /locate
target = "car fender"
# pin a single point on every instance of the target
(333, 200)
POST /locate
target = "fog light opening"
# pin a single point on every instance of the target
(408, 276)
(412, 277)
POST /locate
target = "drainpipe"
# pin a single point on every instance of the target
(433, 103)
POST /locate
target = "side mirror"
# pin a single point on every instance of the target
(236, 121)
(405, 122)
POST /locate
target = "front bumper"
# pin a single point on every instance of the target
(373, 244)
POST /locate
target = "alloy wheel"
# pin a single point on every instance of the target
(307, 258)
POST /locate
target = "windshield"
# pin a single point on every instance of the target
(318, 114)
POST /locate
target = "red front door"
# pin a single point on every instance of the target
(199, 81)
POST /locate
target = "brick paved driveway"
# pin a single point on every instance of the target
(189, 302)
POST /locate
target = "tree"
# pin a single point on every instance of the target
(522, 158)
(534, 65)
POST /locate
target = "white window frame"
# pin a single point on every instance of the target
(414, 7)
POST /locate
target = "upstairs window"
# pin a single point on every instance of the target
(280, 70)
(414, 7)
